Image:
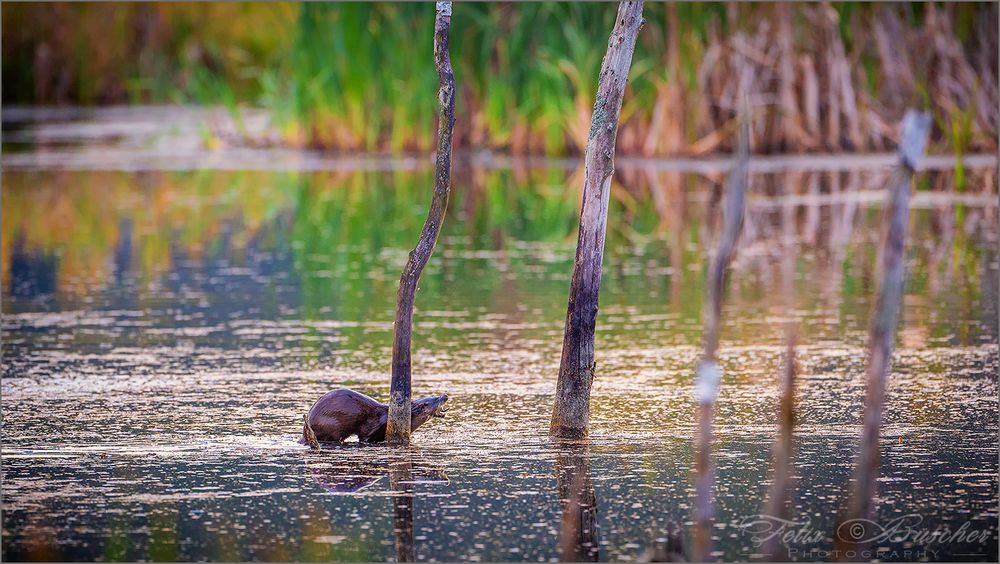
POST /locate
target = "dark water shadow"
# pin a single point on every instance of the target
(346, 476)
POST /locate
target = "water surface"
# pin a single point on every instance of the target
(164, 333)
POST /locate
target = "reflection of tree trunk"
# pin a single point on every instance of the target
(670, 200)
(669, 548)
(401, 484)
(578, 540)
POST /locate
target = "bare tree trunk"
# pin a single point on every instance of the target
(856, 532)
(571, 412)
(578, 541)
(708, 373)
(398, 426)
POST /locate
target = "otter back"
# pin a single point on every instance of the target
(342, 413)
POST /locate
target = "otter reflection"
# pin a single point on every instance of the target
(578, 537)
(349, 476)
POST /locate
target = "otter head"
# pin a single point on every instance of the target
(423, 409)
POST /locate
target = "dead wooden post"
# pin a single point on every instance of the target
(571, 411)
(854, 533)
(708, 373)
(781, 477)
(398, 425)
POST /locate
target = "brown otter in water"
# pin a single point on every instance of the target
(342, 413)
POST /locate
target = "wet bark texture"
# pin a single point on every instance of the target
(578, 540)
(855, 532)
(398, 425)
(708, 374)
(571, 412)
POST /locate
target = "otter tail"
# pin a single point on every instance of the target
(308, 434)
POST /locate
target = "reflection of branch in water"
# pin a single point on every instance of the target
(782, 474)
(401, 483)
(671, 203)
(578, 537)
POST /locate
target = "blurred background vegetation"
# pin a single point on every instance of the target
(352, 77)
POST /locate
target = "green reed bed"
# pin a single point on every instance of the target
(360, 77)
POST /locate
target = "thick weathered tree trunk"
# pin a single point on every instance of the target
(856, 532)
(576, 371)
(708, 373)
(398, 425)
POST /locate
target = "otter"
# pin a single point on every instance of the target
(342, 413)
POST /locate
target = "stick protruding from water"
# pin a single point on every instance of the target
(855, 531)
(398, 424)
(708, 374)
(571, 409)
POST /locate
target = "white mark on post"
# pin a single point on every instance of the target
(444, 8)
(706, 381)
(913, 138)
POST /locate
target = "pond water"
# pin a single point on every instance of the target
(165, 331)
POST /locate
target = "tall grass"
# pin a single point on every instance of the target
(358, 76)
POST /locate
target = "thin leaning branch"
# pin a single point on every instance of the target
(398, 424)
(708, 373)
(855, 532)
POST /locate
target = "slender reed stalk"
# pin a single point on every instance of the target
(708, 373)
(398, 425)
(856, 531)
(571, 412)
